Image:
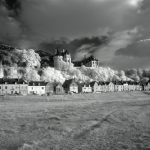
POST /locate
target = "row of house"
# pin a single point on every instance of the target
(20, 86)
(117, 86)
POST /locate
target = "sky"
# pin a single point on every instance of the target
(116, 32)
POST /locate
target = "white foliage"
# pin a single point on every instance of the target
(12, 72)
(31, 74)
(51, 75)
(29, 57)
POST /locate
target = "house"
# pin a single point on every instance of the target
(138, 86)
(23, 87)
(125, 85)
(58, 89)
(13, 86)
(84, 87)
(131, 86)
(118, 86)
(110, 86)
(94, 86)
(145, 86)
(100, 84)
(70, 86)
(148, 86)
(49, 88)
(90, 62)
(37, 87)
(103, 86)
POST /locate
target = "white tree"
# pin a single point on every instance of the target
(31, 74)
(51, 75)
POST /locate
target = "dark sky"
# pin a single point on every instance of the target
(117, 32)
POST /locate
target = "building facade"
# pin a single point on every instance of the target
(70, 86)
(13, 86)
(86, 88)
(118, 86)
(37, 87)
(94, 86)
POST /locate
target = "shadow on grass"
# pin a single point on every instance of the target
(147, 92)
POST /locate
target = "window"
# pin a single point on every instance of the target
(5, 87)
(42, 88)
(0, 87)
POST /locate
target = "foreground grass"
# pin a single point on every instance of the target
(112, 121)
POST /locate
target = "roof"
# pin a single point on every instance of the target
(58, 53)
(77, 63)
(101, 83)
(66, 52)
(68, 82)
(84, 61)
(37, 83)
(118, 83)
(12, 81)
(92, 83)
(62, 53)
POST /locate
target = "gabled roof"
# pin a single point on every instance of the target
(68, 82)
(37, 83)
(92, 83)
(12, 81)
(101, 83)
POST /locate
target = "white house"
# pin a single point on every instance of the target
(86, 88)
(37, 87)
(13, 86)
(125, 86)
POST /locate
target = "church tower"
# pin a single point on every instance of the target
(58, 58)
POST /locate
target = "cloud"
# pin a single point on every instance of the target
(48, 24)
(137, 49)
(126, 62)
(75, 46)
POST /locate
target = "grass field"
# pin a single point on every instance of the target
(104, 121)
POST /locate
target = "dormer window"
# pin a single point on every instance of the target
(15, 82)
(39, 84)
(5, 82)
(33, 84)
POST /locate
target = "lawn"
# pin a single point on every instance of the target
(100, 121)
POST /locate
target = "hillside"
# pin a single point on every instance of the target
(112, 121)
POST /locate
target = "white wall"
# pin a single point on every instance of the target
(36, 89)
(12, 88)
